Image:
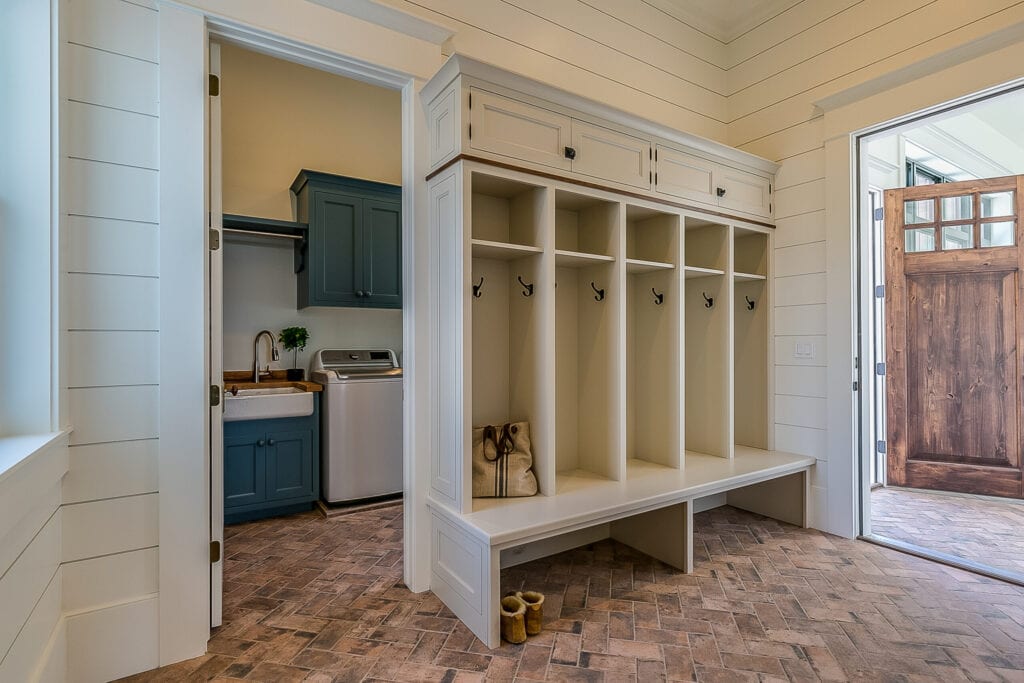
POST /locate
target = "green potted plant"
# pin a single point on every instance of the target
(295, 339)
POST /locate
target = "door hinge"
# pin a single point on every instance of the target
(655, 179)
(214, 552)
(880, 369)
(214, 395)
(769, 188)
(650, 177)
(471, 131)
(214, 239)
(856, 385)
(470, 99)
(880, 446)
(879, 291)
(214, 85)
(650, 153)
(879, 213)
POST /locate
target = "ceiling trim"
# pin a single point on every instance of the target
(723, 20)
(391, 18)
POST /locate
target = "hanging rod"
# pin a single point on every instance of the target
(260, 233)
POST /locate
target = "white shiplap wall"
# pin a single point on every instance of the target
(111, 171)
(777, 73)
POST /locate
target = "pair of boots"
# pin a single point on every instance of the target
(521, 615)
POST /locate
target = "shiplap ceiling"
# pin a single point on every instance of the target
(724, 20)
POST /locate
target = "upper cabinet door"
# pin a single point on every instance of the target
(519, 130)
(685, 175)
(743, 191)
(382, 254)
(610, 155)
(336, 236)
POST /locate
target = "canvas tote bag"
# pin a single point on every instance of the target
(502, 461)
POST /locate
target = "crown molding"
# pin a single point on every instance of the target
(389, 17)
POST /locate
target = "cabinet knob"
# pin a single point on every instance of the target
(720, 191)
(261, 443)
(368, 292)
(270, 442)
(570, 153)
(360, 292)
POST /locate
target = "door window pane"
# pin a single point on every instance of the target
(957, 236)
(921, 211)
(997, 234)
(957, 208)
(919, 239)
(997, 204)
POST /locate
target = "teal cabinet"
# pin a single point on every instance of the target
(271, 467)
(354, 247)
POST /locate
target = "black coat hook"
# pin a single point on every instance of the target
(600, 292)
(708, 301)
(750, 304)
(477, 288)
(527, 289)
(658, 298)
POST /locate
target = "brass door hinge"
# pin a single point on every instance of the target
(214, 395)
(214, 552)
(214, 239)
(214, 85)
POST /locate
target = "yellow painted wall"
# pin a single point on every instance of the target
(281, 117)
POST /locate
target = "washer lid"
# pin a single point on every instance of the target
(338, 364)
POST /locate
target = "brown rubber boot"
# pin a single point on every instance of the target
(513, 619)
(534, 611)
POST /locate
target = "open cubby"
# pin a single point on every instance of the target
(706, 247)
(707, 364)
(750, 364)
(507, 217)
(750, 258)
(587, 426)
(586, 230)
(653, 350)
(509, 347)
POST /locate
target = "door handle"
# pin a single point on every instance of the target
(570, 153)
(720, 191)
(368, 292)
(261, 443)
(270, 442)
(360, 292)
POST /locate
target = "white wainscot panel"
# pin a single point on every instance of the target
(801, 350)
(125, 577)
(800, 290)
(800, 411)
(113, 414)
(819, 474)
(800, 320)
(102, 190)
(104, 527)
(800, 259)
(818, 518)
(112, 302)
(111, 643)
(101, 245)
(112, 135)
(111, 358)
(801, 169)
(109, 470)
(24, 583)
(800, 380)
(112, 80)
(115, 26)
(810, 227)
(26, 656)
(801, 440)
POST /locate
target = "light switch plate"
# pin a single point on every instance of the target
(803, 350)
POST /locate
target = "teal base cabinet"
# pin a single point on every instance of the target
(354, 248)
(271, 467)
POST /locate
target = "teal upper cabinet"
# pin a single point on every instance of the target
(355, 241)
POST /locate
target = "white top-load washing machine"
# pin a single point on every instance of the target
(360, 423)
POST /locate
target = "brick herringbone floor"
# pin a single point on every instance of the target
(316, 599)
(984, 530)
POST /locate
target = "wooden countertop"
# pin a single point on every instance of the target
(243, 380)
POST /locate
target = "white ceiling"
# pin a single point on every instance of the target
(724, 20)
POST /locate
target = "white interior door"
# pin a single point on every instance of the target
(216, 323)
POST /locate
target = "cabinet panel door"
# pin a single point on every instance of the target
(744, 191)
(610, 155)
(336, 233)
(289, 464)
(382, 254)
(244, 470)
(518, 130)
(685, 176)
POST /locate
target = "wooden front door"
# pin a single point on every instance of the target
(953, 320)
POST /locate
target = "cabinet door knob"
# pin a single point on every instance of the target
(570, 153)
(368, 292)
(720, 191)
(261, 443)
(270, 442)
(360, 292)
